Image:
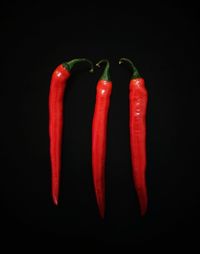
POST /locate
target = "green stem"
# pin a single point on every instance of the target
(70, 64)
(105, 75)
(135, 71)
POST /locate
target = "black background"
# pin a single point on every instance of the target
(163, 43)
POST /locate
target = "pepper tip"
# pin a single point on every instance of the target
(55, 201)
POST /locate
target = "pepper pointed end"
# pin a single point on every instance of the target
(101, 206)
(143, 204)
(143, 211)
(55, 200)
(101, 203)
(102, 212)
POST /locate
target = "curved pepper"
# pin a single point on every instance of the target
(56, 94)
(99, 130)
(137, 122)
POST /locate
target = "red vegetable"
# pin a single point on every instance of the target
(138, 104)
(56, 94)
(99, 129)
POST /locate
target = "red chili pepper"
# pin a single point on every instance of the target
(99, 130)
(138, 103)
(56, 94)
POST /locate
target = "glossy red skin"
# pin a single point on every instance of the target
(56, 94)
(138, 103)
(99, 130)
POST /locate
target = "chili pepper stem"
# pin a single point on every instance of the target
(70, 64)
(105, 75)
(135, 71)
